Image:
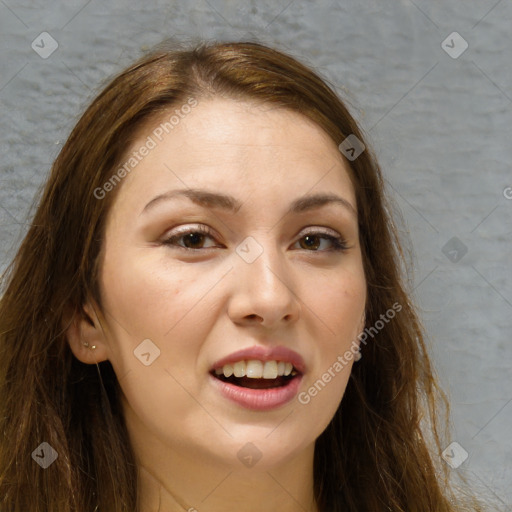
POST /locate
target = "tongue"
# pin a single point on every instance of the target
(246, 382)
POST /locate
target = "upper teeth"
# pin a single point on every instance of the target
(256, 369)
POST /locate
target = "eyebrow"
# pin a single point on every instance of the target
(208, 199)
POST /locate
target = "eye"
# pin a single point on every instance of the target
(192, 238)
(312, 241)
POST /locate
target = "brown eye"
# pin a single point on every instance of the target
(312, 242)
(191, 240)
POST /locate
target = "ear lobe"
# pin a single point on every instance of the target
(83, 333)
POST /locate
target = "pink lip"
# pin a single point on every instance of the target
(259, 399)
(264, 354)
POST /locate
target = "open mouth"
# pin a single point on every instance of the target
(256, 374)
(247, 382)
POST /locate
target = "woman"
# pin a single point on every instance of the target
(207, 311)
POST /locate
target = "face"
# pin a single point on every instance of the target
(232, 284)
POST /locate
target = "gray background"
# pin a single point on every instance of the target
(439, 125)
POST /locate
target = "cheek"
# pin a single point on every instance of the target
(156, 309)
(145, 300)
(339, 303)
(172, 304)
(322, 394)
(147, 295)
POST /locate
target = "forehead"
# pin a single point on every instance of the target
(223, 143)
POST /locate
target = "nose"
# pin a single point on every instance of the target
(264, 290)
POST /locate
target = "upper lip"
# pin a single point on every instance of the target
(260, 353)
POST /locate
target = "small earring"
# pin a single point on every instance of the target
(358, 356)
(93, 347)
(85, 344)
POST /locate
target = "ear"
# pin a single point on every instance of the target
(84, 331)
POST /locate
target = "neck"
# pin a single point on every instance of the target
(191, 484)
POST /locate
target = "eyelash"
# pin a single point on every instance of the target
(338, 242)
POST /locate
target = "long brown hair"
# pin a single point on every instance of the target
(373, 456)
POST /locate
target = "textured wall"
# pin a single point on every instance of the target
(440, 123)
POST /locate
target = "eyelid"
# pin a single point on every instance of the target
(319, 230)
(190, 228)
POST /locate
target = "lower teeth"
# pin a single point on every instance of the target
(246, 382)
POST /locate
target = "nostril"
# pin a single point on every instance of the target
(254, 317)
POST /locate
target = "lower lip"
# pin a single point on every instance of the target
(259, 399)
